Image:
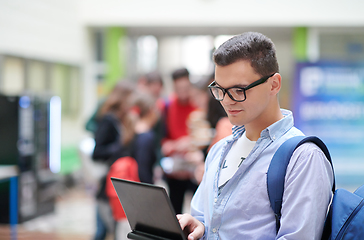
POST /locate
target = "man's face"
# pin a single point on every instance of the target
(182, 88)
(155, 89)
(241, 74)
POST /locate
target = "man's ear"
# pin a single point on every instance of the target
(276, 81)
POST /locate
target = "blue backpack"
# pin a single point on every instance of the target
(345, 219)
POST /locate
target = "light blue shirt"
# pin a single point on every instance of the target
(242, 209)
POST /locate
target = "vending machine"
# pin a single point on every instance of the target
(30, 139)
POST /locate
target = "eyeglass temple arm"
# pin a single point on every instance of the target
(262, 80)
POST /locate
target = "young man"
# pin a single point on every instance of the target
(232, 200)
(177, 142)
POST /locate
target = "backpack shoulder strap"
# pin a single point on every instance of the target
(278, 166)
(360, 191)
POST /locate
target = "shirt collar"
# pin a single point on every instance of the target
(277, 129)
(274, 131)
(238, 131)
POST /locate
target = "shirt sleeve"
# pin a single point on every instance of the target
(197, 206)
(307, 194)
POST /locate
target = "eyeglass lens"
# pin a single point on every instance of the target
(234, 93)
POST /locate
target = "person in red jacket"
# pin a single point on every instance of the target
(177, 142)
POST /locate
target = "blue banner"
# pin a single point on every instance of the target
(328, 101)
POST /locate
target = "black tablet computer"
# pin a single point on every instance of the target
(148, 210)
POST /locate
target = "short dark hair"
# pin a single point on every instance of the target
(254, 47)
(180, 73)
(154, 76)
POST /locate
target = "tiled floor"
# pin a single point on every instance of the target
(73, 218)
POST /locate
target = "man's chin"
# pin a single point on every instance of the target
(234, 121)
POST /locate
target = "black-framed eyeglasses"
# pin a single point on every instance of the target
(235, 93)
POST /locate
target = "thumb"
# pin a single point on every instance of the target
(191, 237)
(197, 233)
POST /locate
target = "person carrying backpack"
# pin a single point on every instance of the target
(138, 166)
(113, 139)
(232, 200)
(345, 220)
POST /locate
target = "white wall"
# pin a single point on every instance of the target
(42, 29)
(223, 12)
(51, 31)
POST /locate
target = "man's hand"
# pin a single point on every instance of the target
(191, 225)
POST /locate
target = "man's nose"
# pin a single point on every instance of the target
(227, 100)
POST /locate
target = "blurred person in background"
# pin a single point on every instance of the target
(214, 124)
(154, 84)
(151, 83)
(198, 124)
(143, 153)
(199, 127)
(113, 139)
(218, 119)
(215, 111)
(177, 142)
(141, 83)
